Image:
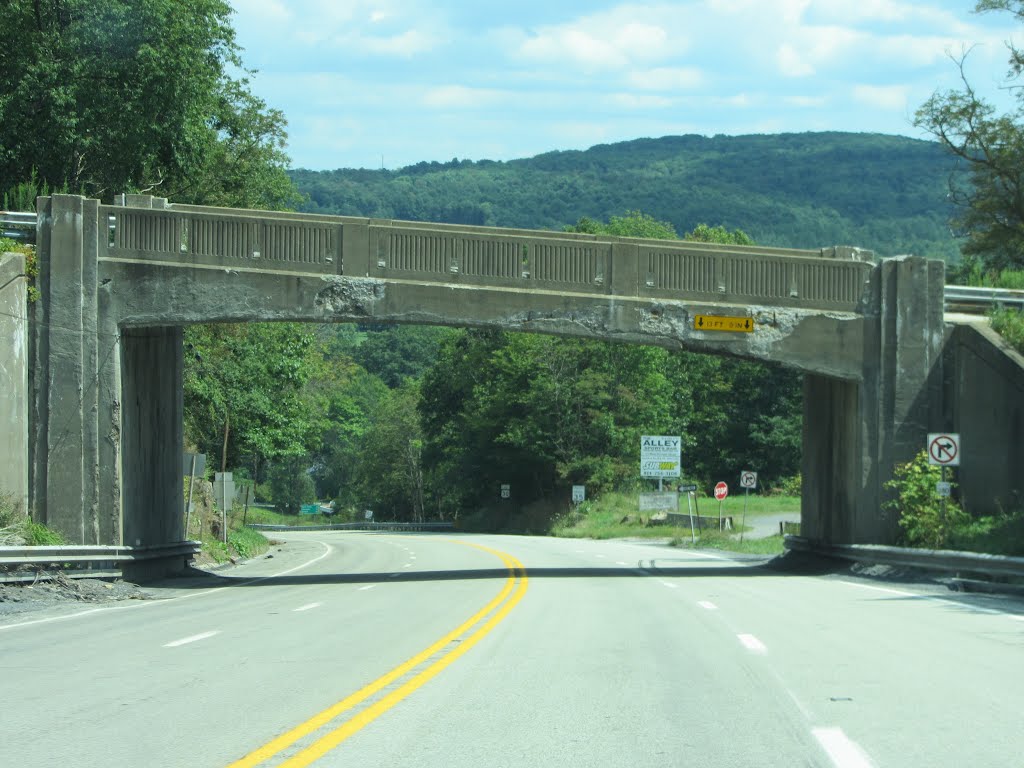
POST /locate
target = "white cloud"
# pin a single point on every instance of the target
(792, 63)
(882, 97)
(461, 97)
(638, 101)
(610, 40)
(666, 78)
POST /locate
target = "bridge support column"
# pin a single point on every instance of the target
(856, 432)
(74, 439)
(14, 380)
(152, 363)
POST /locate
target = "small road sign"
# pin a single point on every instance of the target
(721, 491)
(687, 488)
(723, 323)
(506, 491)
(943, 490)
(579, 493)
(748, 479)
(944, 449)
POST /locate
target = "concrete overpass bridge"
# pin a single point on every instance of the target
(119, 282)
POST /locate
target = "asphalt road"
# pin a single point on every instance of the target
(351, 649)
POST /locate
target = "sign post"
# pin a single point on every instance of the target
(721, 491)
(689, 509)
(944, 451)
(748, 480)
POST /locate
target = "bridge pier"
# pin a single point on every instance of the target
(856, 432)
(105, 443)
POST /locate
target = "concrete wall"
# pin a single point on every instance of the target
(14, 379)
(984, 385)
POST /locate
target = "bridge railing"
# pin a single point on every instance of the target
(486, 256)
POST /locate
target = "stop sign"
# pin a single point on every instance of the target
(721, 491)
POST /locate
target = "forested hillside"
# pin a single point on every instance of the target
(886, 193)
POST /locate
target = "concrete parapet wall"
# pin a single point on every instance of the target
(984, 385)
(14, 378)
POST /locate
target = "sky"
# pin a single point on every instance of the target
(389, 83)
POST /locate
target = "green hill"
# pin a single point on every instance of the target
(886, 193)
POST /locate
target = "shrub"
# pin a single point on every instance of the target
(922, 518)
(1009, 323)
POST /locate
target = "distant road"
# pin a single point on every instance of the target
(355, 649)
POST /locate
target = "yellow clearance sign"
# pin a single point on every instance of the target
(722, 323)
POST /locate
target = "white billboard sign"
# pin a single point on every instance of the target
(659, 455)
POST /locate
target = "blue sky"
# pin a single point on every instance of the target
(366, 82)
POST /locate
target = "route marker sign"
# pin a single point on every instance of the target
(723, 323)
(506, 491)
(944, 449)
(579, 494)
(721, 491)
(748, 479)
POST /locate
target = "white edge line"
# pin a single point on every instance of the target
(327, 550)
(934, 599)
(843, 752)
(191, 639)
(667, 584)
(707, 605)
(306, 607)
(368, 586)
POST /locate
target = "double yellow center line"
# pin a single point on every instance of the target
(469, 634)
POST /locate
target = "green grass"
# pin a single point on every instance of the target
(1009, 323)
(994, 535)
(247, 542)
(615, 516)
(264, 516)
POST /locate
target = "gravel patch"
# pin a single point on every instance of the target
(58, 590)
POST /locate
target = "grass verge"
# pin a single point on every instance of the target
(615, 516)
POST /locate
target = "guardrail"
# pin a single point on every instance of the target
(357, 527)
(18, 226)
(965, 298)
(931, 559)
(98, 560)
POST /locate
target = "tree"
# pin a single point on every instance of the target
(109, 96)
(989, 148)
(244, 392)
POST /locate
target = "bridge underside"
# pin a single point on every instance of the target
(119, 283)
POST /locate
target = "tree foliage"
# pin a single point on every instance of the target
(109, 96)
(887, 193)
(988, 185)
(244, 392)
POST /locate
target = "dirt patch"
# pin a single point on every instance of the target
(60, 590)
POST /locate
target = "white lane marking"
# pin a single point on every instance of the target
(843, 752)
(306, 607)
(933, 599)
(707, 606)
(191, 639)
(407, 565)
(137, 605)
(619, 562)
(667, 584)
(368, 586)
(752, 644)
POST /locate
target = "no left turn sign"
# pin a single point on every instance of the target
(944, 449)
